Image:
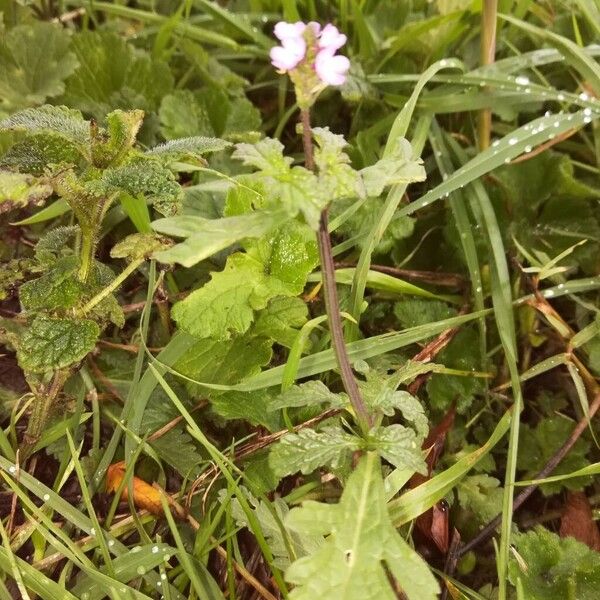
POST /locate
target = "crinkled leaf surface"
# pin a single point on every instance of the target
(49, 344)
(308, 450)
(281, 319)
(139, 246)
(309, 394)
(361, 542)
(399, 446)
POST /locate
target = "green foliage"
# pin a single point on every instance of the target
(353, 561)
(550, 568)
(19, 190)
(49, 344)
(286, 545)
(539, 443)
(22, 50)
(274, 266)
(112, 74)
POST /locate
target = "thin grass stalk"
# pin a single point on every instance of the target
(489, 14)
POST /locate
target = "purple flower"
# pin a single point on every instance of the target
(293, 45)
(331, 38)
(331, 68)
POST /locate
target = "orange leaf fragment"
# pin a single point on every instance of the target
(144, 495)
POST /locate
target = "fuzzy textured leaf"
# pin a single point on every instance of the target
(49, 343)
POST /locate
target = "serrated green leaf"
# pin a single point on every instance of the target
(35, 60)
(176, 446)
(281, 319)
(399, 446)
(274, 266)
(551, 568)
(49, 343)
(111, 146)
(146, 177)
(395, 168)
(482, 496)
(34, 153)
(337, 178)
(139, 246)
(229, 361)
(538, 444)
(308, 394)
(112, 74)
(248, 406)
(308, 450)
(64, 122)
(189, 146)
(301, 544)
(19, 190)
(57, 288)
(362, 545)
(181, 115)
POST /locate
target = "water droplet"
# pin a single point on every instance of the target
(12, 469)
(155, 549)
(478, 289)
(557, 124)
(438, 153)
(527, 148)
(46, 497)
(587, 119)
(495, 143)
(136, 549)
(446, 194)
(141, 570)
(92, 531)
(561, 286)
(549, 293)
(587, 111)
(583, 96)
(551, 136)
(111, 543)
(158, 584)
(163, 576)
(528, 90)
(445, 176)
(547, 113)
(512, 141)
(561, 97)
(522, 80)
(507, 159)
(167, 557)
(443, 62)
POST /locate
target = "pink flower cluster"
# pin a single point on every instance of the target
(330, 67)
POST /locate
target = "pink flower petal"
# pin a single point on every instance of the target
(331, 38)
(284, 31)
(283, 59)
(331, 69)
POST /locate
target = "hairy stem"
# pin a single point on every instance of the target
(43, 403)
(86, 255)
(332, 305)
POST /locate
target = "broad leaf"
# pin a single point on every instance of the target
(399, 446)
(308, 450)
(361, 546)
(550, 568)
(34, 62)
(49, 343)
